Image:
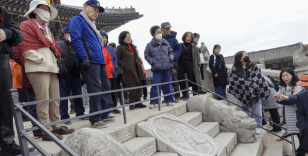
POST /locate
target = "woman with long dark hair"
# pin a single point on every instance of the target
(288, 86)
(248, 86)
(219, 71)
(128, 60)
(189, 62)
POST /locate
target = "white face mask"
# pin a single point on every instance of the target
(43, 14)
(159, 37)
(69, 39)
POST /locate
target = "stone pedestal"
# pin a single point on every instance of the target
(300, 60)
(301, 70)
(208, 79)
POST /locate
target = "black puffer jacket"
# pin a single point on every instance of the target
(8, 23)
(68, 59)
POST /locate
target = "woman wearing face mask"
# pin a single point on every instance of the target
(40, 55)
(128, 60)
(159, 55)
(248, 86)
(219, 72)
(288, 86)
(189, 62)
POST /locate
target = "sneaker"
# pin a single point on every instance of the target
(258, 132)
(177, 100)
(37, 134)
(284, 135)
(72, 112)
(98, 125)
(63, 130)
(116, 111)
(163, 101)
(111, 115)
(108, 120)
(151, 106)
(183, 97)
(144, 97)
(201, 92)
(140, 105)
(132, 107)
(47, 138)
(169, 104)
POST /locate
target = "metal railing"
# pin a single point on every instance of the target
(23, 133)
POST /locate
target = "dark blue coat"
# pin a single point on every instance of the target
(220, 69)
(113, 56)
(158, 56)
(301, 101)
(80, 29)
(175, 46)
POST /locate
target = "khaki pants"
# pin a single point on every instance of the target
(46, 86)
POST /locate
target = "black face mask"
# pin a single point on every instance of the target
(246, 59)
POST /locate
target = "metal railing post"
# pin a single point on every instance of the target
(159, 100)
(19, 123)
(293, 145)
(123, 103)
(187, 86)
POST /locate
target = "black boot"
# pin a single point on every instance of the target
(140, 105)
(132, 107)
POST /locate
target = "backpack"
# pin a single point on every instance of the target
(208, 69)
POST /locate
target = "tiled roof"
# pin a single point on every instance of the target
(275, 54)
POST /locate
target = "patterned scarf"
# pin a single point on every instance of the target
(246, 89)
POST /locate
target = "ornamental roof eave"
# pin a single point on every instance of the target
(283, 53)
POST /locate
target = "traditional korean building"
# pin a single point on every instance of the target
(276, 58)
(109, 20)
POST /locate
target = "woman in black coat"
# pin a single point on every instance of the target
(219, 72)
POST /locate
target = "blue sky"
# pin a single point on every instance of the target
(235, 25)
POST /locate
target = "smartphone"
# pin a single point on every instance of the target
(277, 97)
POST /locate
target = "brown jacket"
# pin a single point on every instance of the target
(127, 61)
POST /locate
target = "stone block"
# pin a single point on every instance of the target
(127, 131)
(142, 146)
(234, 107)
(209, 128)
(224, 102)
(252, 149)
(165, 154)
(229, 120)
(227, 139)
(193, 118)
(174, 135)
(88, 141)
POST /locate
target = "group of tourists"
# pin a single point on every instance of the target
(85, 62)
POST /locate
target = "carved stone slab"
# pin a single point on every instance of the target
(93, 142)
(174, 135)
(229, 120)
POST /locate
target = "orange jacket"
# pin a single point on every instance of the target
(108, 61)
(16, 74)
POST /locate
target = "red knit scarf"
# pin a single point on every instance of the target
(131, 48)
(35, 39)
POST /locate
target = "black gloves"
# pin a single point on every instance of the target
(85, 64)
